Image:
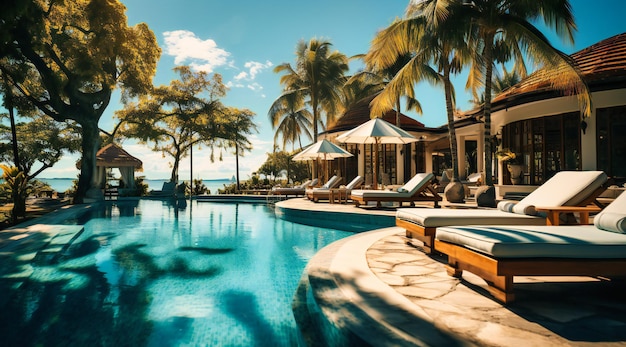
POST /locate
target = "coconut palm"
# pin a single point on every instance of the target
(373, 81)
(436, 55)
(504, 29)
(291, 120)
(500, 83)
(317, 78)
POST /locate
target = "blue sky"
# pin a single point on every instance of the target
(244, 40)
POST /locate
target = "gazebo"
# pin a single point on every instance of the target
(114, 156)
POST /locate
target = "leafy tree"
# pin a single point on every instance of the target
(66, 58)
(42, 143)
(280, 161)
(188, 112)
(17, 185)
(242, 125)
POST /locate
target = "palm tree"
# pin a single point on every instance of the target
(371, 81)
(316, 79)
(500, 83)
(436, 55)
(291, 120)
(504, 29)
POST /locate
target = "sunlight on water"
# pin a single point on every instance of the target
(162, 273)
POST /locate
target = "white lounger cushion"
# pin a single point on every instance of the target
(566, 188)
(355, 182)
(407, 190)
(613, 217)
(328, 185)
(445, 217)
(571, 241)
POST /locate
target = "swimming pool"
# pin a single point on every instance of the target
(156, 273)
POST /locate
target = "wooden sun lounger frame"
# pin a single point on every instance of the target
(317, 195)
(420, 195)
(314, 195)
(499, 273)
(427, 234)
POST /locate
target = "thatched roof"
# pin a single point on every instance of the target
(113, 155)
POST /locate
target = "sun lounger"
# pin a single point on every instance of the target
(319, 194)
(168, 189)
(566, 188)
(295, 191)
(498, 253)
(333, 182)
(419, 188)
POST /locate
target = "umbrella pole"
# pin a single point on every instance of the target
(375, 162)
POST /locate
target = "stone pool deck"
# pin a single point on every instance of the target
(386, 292)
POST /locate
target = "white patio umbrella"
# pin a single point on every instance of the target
(376, 131)
(324, 150)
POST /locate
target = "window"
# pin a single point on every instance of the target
(545, 145)
(611, 142)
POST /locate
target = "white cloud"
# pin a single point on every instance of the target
(255, 86)
(241, 75)
(201, 55)
(254, 68)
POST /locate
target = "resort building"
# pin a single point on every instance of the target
(543, 127)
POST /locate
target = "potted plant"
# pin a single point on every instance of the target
(515, 167)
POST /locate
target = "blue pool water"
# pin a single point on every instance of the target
(152, 273)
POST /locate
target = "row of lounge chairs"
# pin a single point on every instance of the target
(419, 188)
(295, 190)
(324, 192)
(524, 238)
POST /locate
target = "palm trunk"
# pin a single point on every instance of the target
(451, 130)
(487, 111)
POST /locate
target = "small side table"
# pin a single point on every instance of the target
(553, 213)
(341, 194)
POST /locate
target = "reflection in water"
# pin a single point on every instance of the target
(144, 273)
(243, 307)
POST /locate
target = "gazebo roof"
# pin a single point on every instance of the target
(113, 155)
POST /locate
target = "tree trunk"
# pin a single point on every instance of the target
(488, 197)
(451, 130)
(90, 143)
(174, 175)
(454, 191)
(487, 109)
(8, 103)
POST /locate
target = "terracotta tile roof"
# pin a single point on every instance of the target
(113, 155)
(360, 114)
(602, 64)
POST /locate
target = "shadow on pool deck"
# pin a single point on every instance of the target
(384, 291)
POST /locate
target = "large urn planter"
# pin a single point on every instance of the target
(517, 173)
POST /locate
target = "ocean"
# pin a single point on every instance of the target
(63, 184)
